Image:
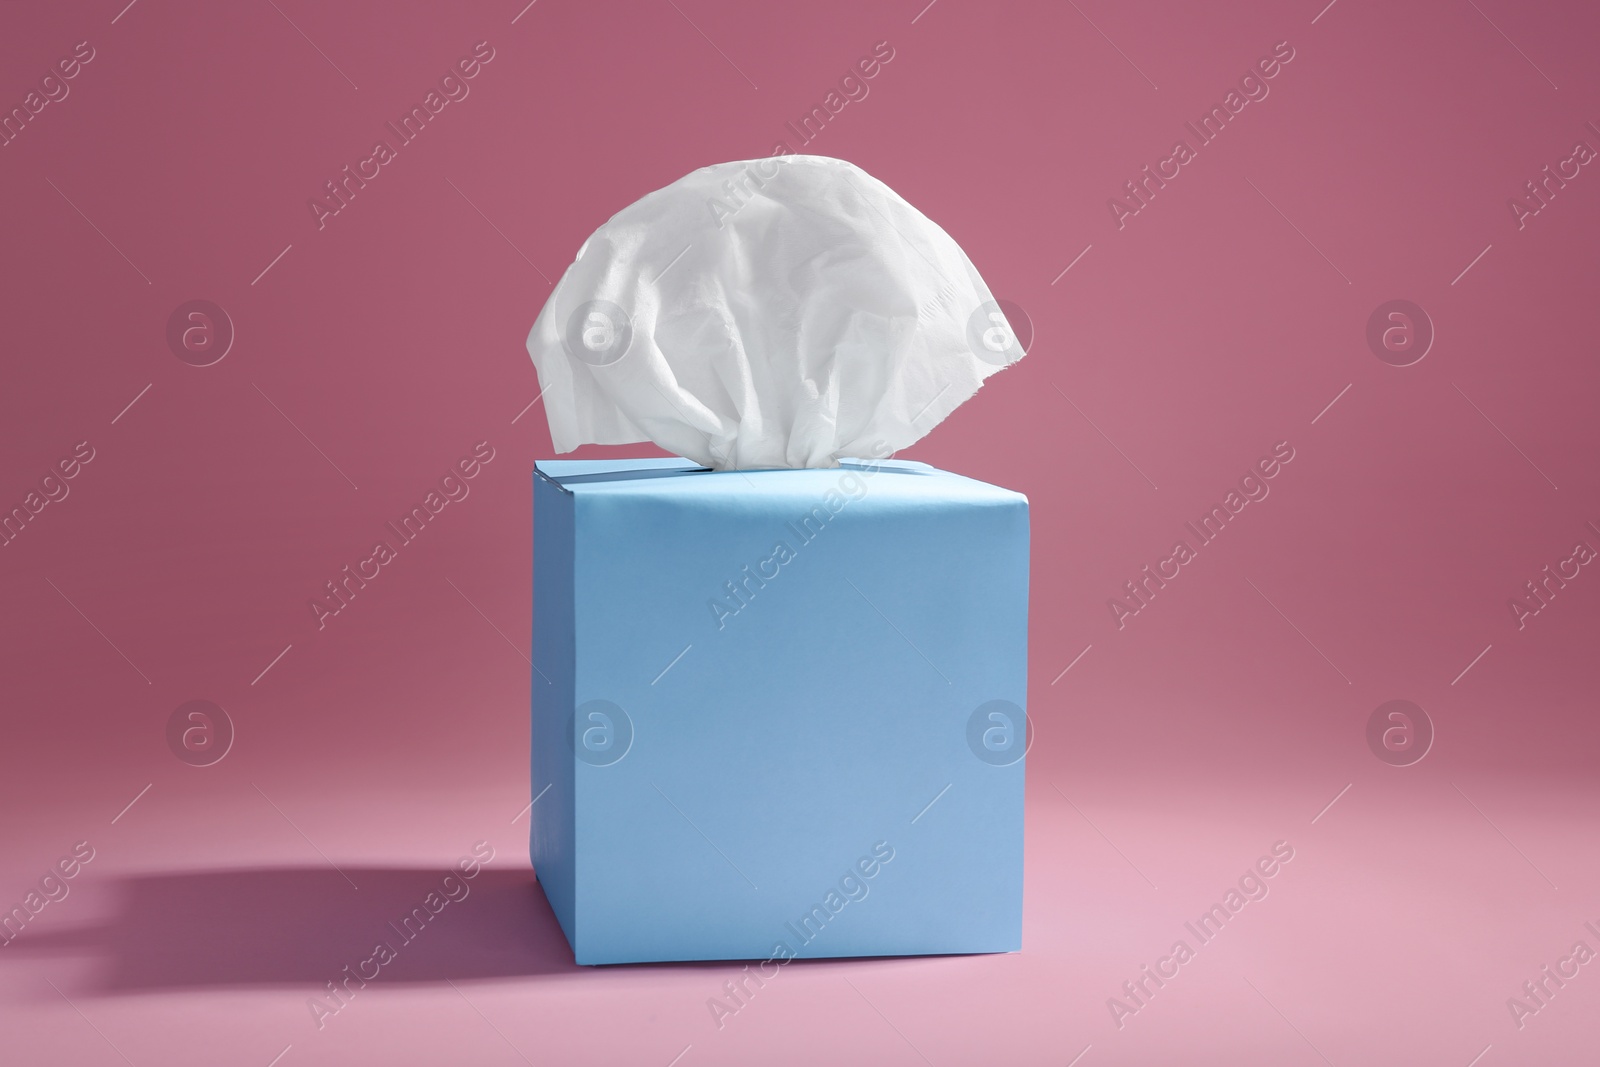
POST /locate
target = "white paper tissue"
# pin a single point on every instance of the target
(781, 312)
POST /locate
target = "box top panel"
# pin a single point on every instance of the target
(564, 470)
(652, 477)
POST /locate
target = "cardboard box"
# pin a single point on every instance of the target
(778, 713)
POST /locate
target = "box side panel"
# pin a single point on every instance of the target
(551, 842)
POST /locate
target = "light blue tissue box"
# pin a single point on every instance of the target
(778, 714)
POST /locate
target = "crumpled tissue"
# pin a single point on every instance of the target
(781, 312)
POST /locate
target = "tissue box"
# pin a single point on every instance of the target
(779, 713)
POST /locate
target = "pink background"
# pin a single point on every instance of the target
(1224, 317)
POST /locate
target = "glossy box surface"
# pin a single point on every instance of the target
(778, 713)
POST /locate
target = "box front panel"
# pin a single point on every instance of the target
(809, 709)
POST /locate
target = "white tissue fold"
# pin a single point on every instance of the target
(782, 312)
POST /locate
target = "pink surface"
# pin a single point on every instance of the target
(1171, 352)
